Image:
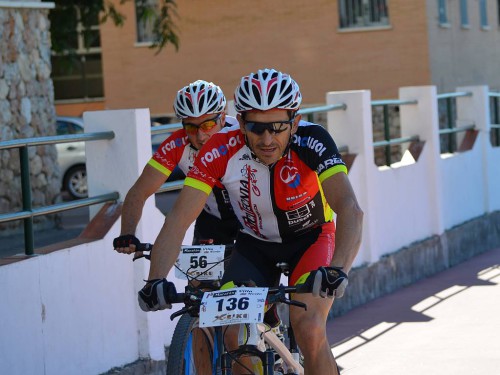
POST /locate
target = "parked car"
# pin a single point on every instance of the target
(71, 158)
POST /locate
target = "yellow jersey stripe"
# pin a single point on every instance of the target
(198, 185)
(159, 167)
(331, 171)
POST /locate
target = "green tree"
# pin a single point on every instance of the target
(68, 13)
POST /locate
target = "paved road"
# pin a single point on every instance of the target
(72, 224)
(448, 324)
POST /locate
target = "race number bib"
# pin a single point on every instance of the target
(203, 262)
(233, 306)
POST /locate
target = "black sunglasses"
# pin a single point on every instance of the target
(274, 127)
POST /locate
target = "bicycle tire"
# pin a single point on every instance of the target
(182, 359)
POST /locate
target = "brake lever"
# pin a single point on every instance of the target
(140, 254)
(296, 303)
(180, 312)
(141, 248)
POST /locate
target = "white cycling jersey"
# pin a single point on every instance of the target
(273, 203)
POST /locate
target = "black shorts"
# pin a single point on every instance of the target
(256, 260)
(208, 227)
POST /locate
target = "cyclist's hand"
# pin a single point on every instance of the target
(126, 243)
(156, 295)
(328, 282)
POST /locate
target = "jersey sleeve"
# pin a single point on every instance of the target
(319, 149)
(168, 154)
(212, 161)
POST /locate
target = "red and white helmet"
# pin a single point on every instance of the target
(267, 89)
(199, 98)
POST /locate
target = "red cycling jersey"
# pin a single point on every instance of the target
(176, 150)
(274, 203)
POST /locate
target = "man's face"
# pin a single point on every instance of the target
(269, 145)
(200, 129)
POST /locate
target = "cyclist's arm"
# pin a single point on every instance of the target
(187, 207)
(341, 198)
(146, 185)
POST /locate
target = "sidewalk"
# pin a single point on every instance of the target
(445, 324)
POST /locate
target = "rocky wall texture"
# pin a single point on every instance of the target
(26, 109)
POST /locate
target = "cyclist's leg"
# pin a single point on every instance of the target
(310, 326)
(247, 264)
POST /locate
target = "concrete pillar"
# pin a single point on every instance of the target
(475, 109)
(115, 165)
(352, 127)
(422, 120)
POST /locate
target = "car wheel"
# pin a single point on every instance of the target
(75, 182)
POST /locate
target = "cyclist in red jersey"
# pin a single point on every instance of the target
(285, 179)
(200, 105)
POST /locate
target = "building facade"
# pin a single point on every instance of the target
(378, 45)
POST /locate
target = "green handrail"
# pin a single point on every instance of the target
(324, 108)
(59, 207)
(396, 141)
(56, 139)
(453, 95)
(28, 212)
(495, 129)
(388, 142)
(171, 186)
(457, 129)
(166, 128)
(450, 121)
(376, 103)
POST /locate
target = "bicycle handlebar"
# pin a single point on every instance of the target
(192, 299)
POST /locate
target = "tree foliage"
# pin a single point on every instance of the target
(68, 13)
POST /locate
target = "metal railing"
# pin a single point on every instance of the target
(388, 141)
(495, 118)
(28, 212)
(451, 129)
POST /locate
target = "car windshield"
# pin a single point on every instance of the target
(65, 127)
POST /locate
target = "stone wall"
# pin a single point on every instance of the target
(26, 109)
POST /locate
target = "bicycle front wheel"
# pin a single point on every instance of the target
(191, 351)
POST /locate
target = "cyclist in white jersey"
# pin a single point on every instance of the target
(201, 107)
(285, 179)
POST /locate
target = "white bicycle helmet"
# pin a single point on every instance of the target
(199, 98)
(267, 89)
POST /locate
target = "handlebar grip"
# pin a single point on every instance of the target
(144, 247)
(179, 298)
(140, 249)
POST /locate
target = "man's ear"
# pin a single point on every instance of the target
(296, 123)
(223, 118)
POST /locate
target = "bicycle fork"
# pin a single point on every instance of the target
(251, 344)
(228, 358)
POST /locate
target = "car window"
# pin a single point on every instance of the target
(65, 127)
(76, 129)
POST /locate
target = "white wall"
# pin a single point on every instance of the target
(75, 311)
